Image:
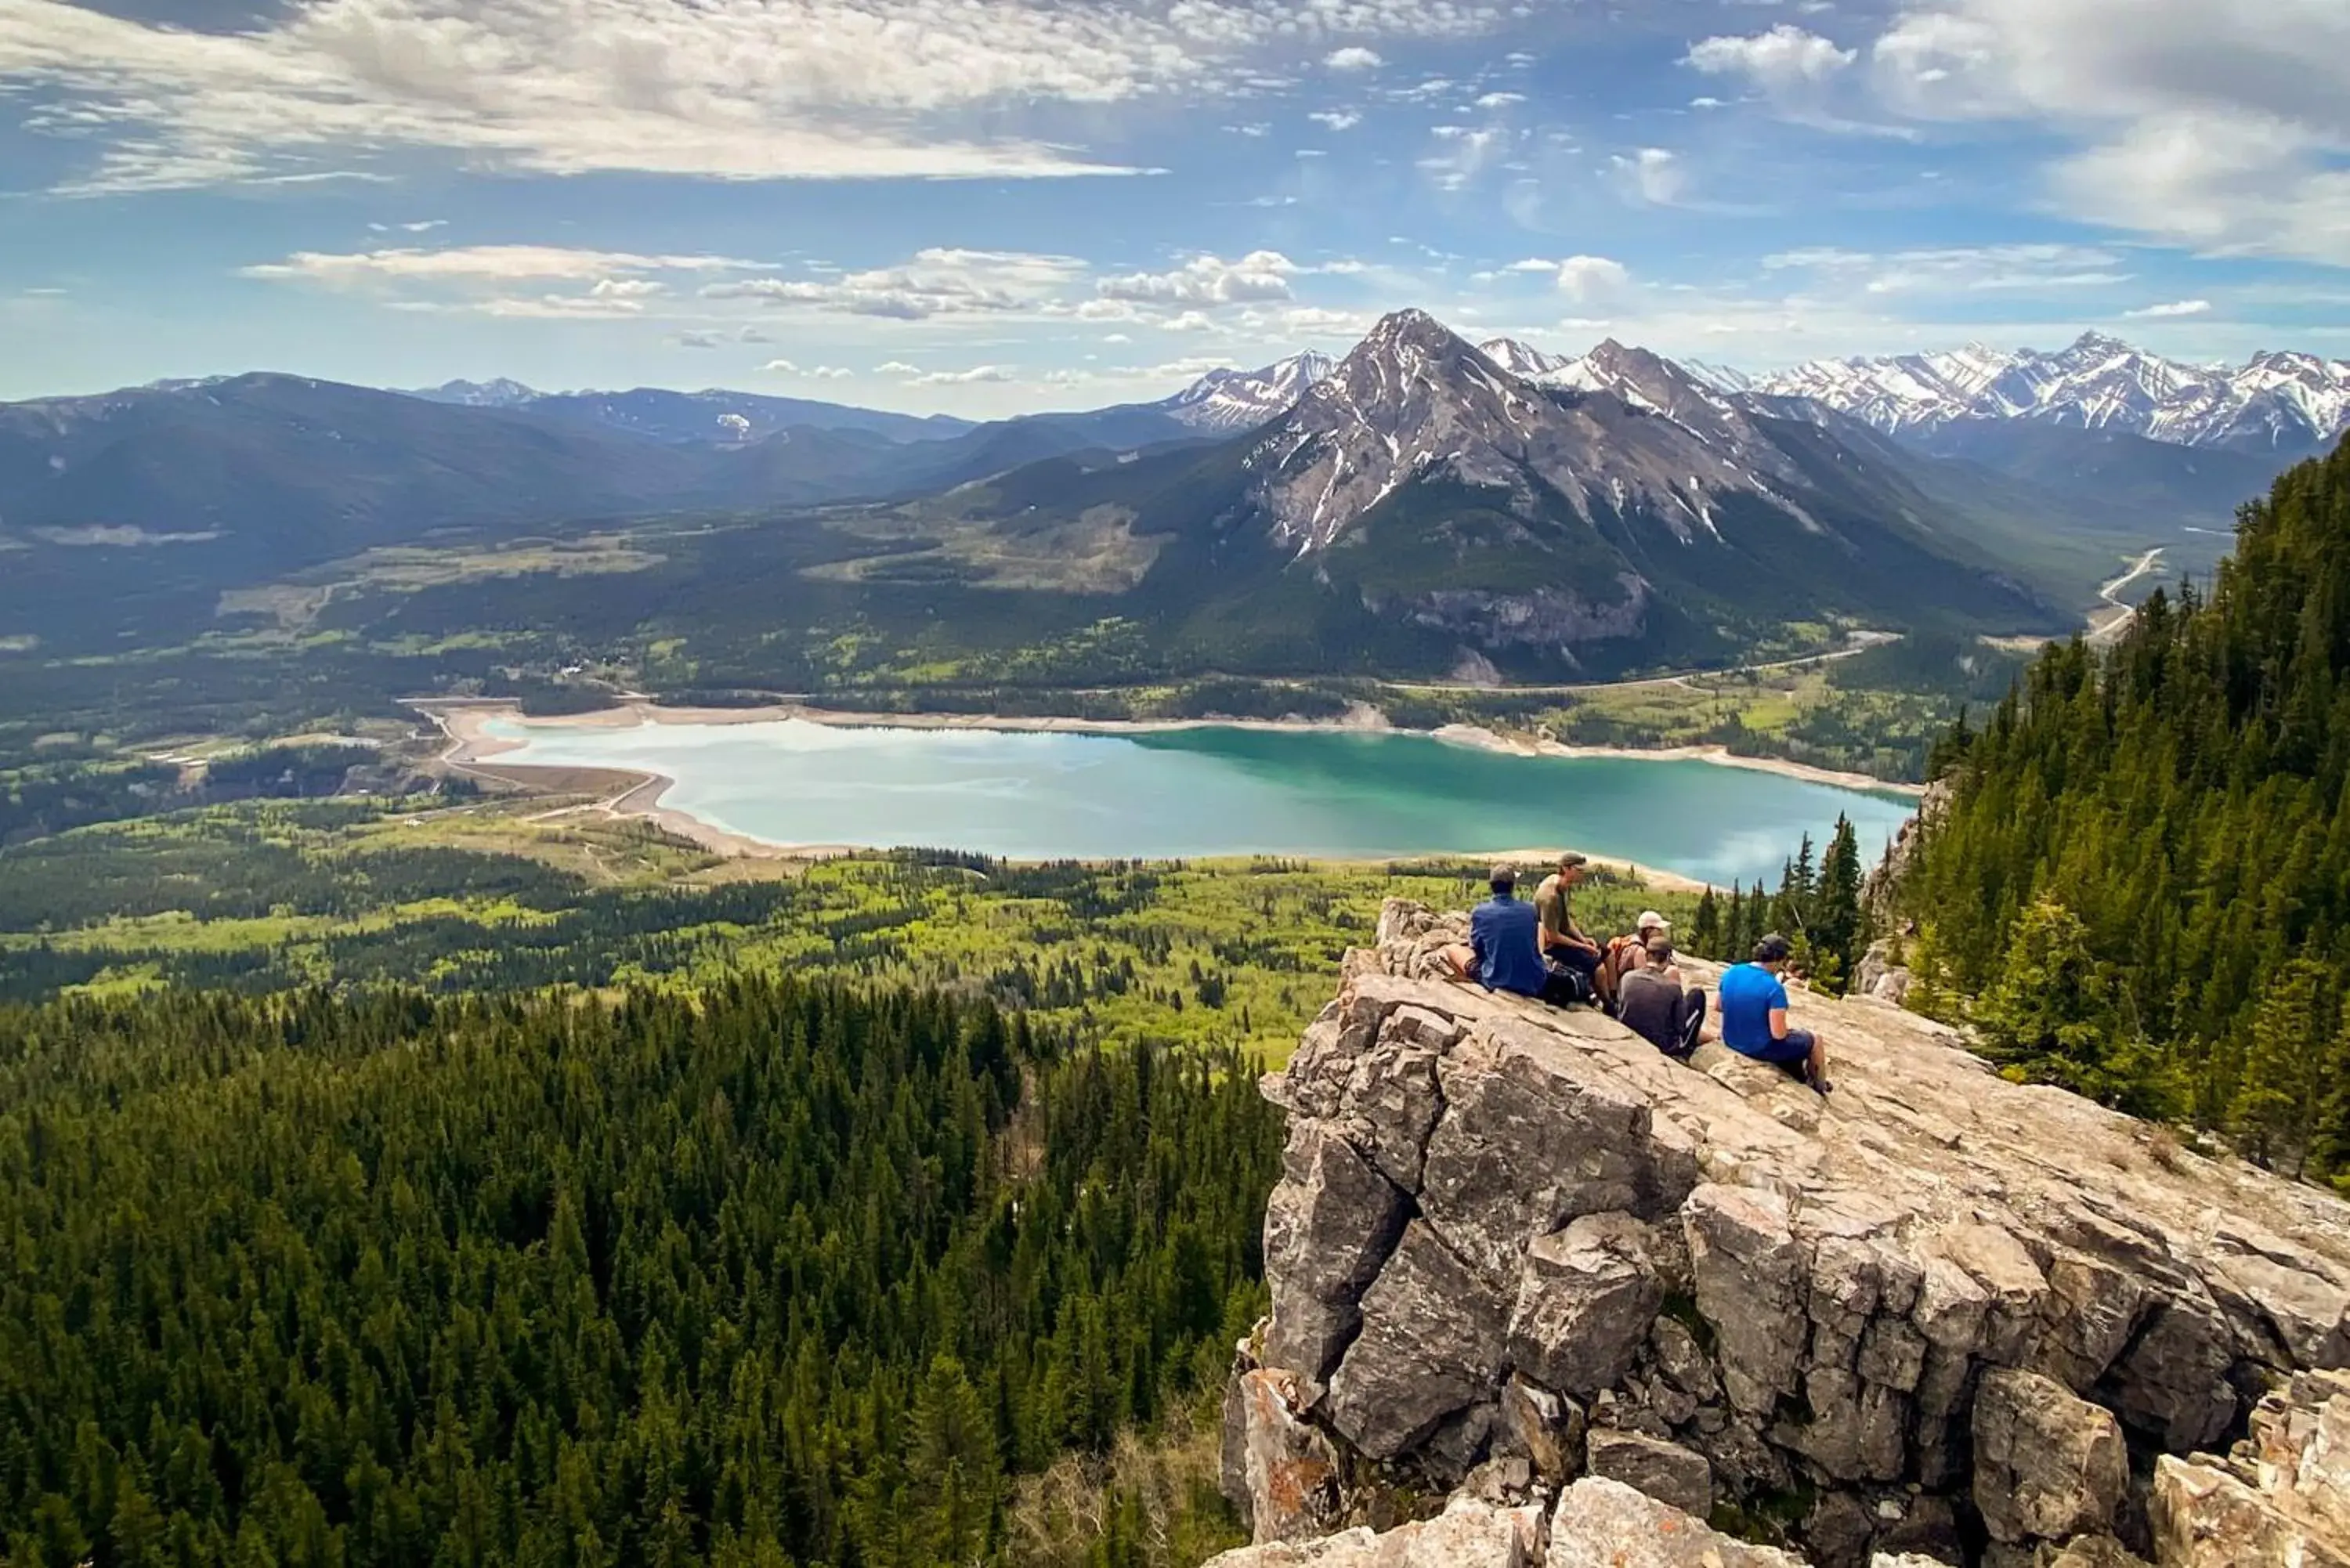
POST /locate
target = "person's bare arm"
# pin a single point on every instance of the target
(1778, 1023)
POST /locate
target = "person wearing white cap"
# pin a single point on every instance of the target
(1625, 954)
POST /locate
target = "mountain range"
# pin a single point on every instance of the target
(1422, 503)
(2275, 402)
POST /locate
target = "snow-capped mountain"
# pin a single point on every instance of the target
(1520, 359)
(499, 393)
(2274, 402)
(1606, 498)
(1242, 400)
(1413, 402)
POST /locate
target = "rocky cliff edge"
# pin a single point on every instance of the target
(1597, 1297)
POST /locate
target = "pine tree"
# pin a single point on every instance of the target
(1705, 926)
(2275, 1101)
(1835, 923)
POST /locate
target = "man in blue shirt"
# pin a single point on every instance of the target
(1753, 1004)
(1503, 951)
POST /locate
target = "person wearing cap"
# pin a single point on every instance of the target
(1755, 1015)
(1651, 1002)
(1563, 941)
(1624, 955)
(1502, 953)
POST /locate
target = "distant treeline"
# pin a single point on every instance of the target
(42, 798)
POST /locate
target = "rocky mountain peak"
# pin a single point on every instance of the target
(1520, 359)
(1235, 400)
(1955, 1317)
(1414, 401)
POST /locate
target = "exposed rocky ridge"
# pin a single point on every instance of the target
(1242, 399)
(1414, 402)
(1936, 1314)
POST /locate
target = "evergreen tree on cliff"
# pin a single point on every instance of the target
(2172, 816)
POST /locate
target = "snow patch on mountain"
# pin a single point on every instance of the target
(1242, 399)
(2275, 400)
(1617, 431)
(499, 393)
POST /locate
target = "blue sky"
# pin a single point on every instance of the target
(983, 206)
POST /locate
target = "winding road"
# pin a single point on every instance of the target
(2111, 594)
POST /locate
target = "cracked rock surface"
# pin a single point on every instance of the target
(1937, 1312)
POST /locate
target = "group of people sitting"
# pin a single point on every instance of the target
(1537, 950)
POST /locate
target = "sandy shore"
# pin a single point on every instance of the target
(1721, 757)
(472, 750)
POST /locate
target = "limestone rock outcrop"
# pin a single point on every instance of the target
(2279, 1495)
(1597, 1524)
(1935, 1312)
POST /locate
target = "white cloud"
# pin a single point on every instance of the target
(935, 282)
(2219, 124)
(1957, 269)
(1786, 60)
(699, 339)
(627, 288)
(752, 335)
(1653, 175)
(480, 263)
(1590, 280)
(1353, 58)
(749, 89)
(545, 307)
(1317, 321)
(424, 228)
(2175, 307)
(1493, 100)
(1336, 119)
(1468, 153)
(780, 367)
(1532, 264)
(831, 372)
(1207, 280)
(976, 374)
(1189, 321)
(897, 368)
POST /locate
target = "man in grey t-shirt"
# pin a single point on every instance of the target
(1651, 1002)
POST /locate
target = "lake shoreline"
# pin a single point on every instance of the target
(471, 751)
(632, 714)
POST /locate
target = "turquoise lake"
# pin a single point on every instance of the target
(1213, 791)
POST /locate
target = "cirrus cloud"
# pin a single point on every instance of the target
(479, 264)
(750, 89)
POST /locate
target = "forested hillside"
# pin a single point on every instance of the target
(2142, 881)
(770, 1273)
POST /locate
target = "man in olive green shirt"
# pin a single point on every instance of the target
(1562, 940)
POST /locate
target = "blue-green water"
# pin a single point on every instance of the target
(1205, 791)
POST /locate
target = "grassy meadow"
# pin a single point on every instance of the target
(516, 894)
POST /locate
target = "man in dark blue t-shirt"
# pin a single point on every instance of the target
(1503, 951)
(1753, 1004)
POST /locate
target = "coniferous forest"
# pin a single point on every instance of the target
(2140, 885)
(773, 1272)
